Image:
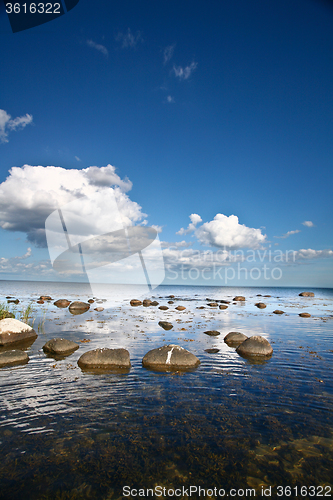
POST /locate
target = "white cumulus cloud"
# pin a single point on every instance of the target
(31, 193)
(8, 124)
(226, 232)
(168, 52)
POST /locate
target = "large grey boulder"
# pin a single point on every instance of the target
(60, 346)
(105, 358)
(306, 294)
(12, 358)
(170, 357)
(13, 330)
(78, 307)
(255, 346)
(233, 339)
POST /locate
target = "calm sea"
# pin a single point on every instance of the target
(232, 424)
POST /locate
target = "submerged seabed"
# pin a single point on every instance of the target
(66, 434)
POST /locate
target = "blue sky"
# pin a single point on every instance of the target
(216, 109)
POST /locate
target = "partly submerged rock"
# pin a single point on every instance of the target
(99, 309)
(163, 308)
(170, 357)
(233, 339)
(306, 294)
(12, 330)
(212, 304)
(45, 297)
(223, 306)
(78, 307)
(277, 311)
(212, 333)
(212, 351)
(224, 301)
(255, 346)
(91, 301)
(305, 315)
(260, 305)
(165, 325)
(239, 298)
(14, 301)
(60, 346)
(146, 303)
(171, 301)
(180, 308)
(136, 302)
(154, 303)
(13, 357)
(106, 359)
(62, 303)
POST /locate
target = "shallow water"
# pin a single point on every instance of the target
(231, 423)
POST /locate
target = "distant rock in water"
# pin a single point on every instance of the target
(212, 351)
(306, 294)
(255, 346)
(260, 305)
(12, 358)
(14, 301)
(146, 303)
(40, 301)
(154, 303)
(277, 311)
(163, 308)
(91, 301)
(223, 306)
(212, 333)
(136, 302)
(45, 297)
(170, 357)
(171, 301)
(78, 307)
(106, 359)
(233, 339)
(62, 303)
(180, 308)
(165, 325)
(305, 315)
(212, 304)
(99, 309)
(239, 298)
(12, 330)
(224, 301)
(60, 346)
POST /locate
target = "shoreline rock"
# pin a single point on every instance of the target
(13, 358)
(170, 357)
(105, 359)
(255, 346)
(60, 346)
(233, 339)
(13, 330)
(306, 294)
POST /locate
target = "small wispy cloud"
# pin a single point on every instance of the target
(289, 233)
(7, 124)
(168, 53)
(129, 39)
(308, 223)
(195, 219)
(170, 99)
(98, 47)
(77, 158)
(184, 73)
